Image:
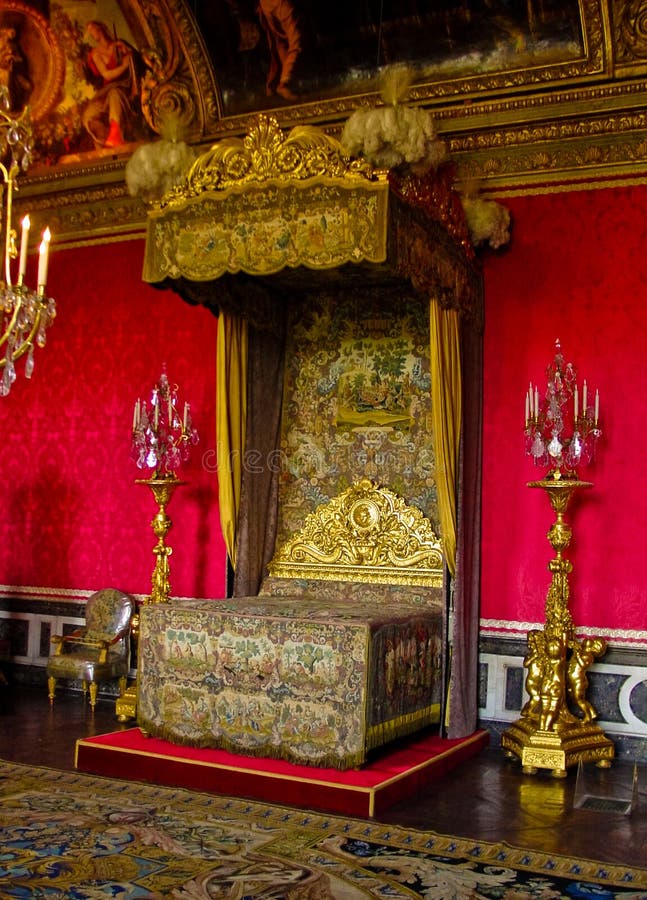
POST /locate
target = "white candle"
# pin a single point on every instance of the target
(24, 242)
(527, 408)
(43, 258)
(536, 403)
(157, 414)
(576, 407)
(170, 411)
(584, 398)
(186, 416)
(597, 405)
(135, 416)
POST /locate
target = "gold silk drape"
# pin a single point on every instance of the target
(446, 391)
(231, 417)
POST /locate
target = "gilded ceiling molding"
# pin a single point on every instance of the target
(579, 120)
(180, 81)
(86, 215)
(591, 148)
(630, 33)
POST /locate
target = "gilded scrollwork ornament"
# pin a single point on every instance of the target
(367, 533)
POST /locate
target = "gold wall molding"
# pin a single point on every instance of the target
(87, 215)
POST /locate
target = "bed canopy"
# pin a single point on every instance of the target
(266, 225)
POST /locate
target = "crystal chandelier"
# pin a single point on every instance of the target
(26, 314)
(562, 427)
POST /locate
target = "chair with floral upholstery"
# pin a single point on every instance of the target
(98, 652)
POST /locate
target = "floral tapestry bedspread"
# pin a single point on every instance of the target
(302, 678)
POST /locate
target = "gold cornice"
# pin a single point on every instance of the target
(87, 215)
(570, 150)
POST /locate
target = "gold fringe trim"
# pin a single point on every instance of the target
(328, 760)
(401, 726)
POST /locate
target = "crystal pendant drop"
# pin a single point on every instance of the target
(29, 364)
(555, 447)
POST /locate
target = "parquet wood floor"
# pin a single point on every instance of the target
(487, 798)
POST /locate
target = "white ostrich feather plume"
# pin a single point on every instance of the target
(390, 135)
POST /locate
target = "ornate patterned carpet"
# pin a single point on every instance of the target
(67, 835)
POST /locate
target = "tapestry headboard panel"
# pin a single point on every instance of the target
(365, 534)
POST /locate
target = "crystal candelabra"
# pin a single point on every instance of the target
(557, 727)
(161, 437)
(161, 442)
(26, 314)
(559, 433)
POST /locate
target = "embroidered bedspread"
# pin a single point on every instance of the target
(316, 678)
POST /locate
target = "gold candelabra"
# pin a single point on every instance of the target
(162, 489)
(26, 314)
(557, 727)
(160, 441)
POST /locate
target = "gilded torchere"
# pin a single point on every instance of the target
(160, 441)
(557, 726)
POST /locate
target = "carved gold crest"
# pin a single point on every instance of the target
(367, 533)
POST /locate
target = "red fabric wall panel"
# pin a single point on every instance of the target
(576, 270)
(73, 516)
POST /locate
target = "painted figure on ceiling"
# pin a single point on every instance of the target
(284, 30)
(113, 65)
(13, 70)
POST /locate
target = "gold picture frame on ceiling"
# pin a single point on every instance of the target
(320, 65)
(100, 78)
(213, 67)
(32, 63)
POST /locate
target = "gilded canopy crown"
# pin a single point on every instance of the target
(266, 153)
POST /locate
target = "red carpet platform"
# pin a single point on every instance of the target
(395, 774)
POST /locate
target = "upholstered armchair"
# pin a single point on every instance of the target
(98, 652)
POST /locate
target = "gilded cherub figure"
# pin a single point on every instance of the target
(583, 654)
(553, 685)
(534, 662)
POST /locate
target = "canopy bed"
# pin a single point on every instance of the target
(340, 652)
(349, 367)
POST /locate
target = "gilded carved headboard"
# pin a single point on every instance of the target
(367, 534)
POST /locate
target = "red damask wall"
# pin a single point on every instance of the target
(73, 516)
(575, 270)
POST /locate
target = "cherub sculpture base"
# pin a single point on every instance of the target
(557, 726)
